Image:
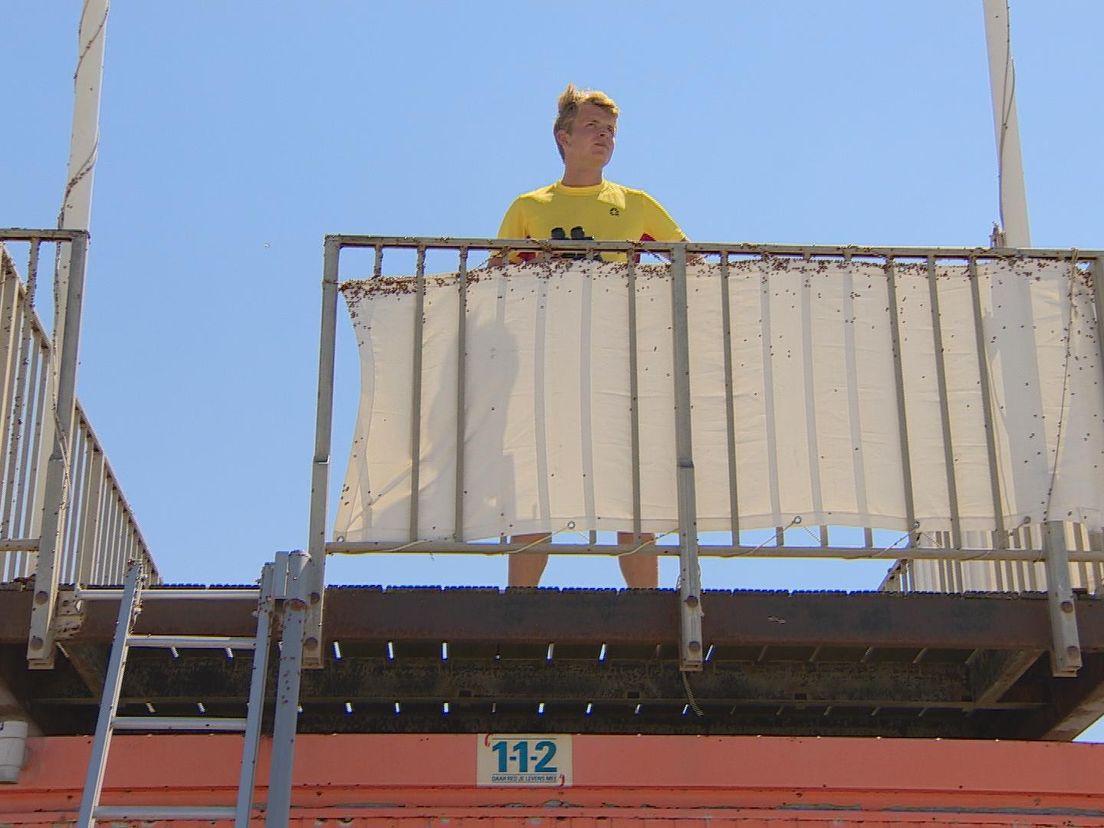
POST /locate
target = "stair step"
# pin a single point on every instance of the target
(178, 723)
(149, 812)
(192, 642)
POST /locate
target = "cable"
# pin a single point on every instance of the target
(690, 695)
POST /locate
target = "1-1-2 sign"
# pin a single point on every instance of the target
(524, 759)
(518, 756)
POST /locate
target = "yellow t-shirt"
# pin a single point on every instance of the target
(606, 211)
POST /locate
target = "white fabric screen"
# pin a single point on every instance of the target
(817, 425)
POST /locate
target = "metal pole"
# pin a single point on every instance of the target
(634, 400)
(1001, 539)
(416, 395)
(461, 391)
(944, 406)
(299, 580)
(730, 411)
(1065, 651)
(40, 649)
(689, 571)
(320, 468)
(76, 203)
(1002, 84)
(899, 382)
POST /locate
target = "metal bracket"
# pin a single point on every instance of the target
(69, 615)
(1065, 649)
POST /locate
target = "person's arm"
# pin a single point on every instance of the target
(659, 226)
(512, 227)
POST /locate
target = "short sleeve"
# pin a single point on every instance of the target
(658, 222)
(513, 223)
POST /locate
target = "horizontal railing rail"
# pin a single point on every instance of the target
(1012, 554)
(63, 516)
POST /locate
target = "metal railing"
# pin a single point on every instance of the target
(1050, 550)
(63, 517)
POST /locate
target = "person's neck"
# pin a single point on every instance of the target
(581, 178)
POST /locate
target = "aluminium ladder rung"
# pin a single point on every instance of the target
(228, 725)
(192, 642)
(150, 812)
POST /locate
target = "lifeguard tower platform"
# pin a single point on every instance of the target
(988, 624)
(938, 409)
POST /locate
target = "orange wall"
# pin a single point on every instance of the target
(386, 780)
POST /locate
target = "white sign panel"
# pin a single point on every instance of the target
(523, 760)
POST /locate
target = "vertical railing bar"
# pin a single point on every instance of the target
(730, 408)
(124, 532)
(634, 400)
(72, 514)
(689, 571)
(90, 494)
(1001, 534)
(32, 448)
(461, 391)
(103, 553)
(90, 518)
(416, 394)
(15, 374)
(1079, 545)
(84, 489)
(103, 535)
(811, 430)
(10, 317)
(132, 542)
(32, 271)
(768, 398)
(899, 383)
(944, 406)
(20, 433)
(112, 534)
(118, 532)
(853, 407)
(9, 444)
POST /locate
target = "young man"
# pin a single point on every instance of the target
(583, 205)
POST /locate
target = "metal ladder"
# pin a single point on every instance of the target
(109, 721)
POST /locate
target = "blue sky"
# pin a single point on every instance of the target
(234, 136)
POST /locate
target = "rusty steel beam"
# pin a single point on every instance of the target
(636, 617)
(992, 674)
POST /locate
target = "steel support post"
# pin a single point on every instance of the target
(1065, 649)
(320, 469)
(293, 581)
(40, 646)
(690, 610)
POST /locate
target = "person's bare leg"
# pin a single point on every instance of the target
(525, 569)
(640, 569)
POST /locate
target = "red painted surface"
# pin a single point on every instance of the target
(386, 781)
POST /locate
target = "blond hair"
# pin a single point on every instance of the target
(569, 103)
